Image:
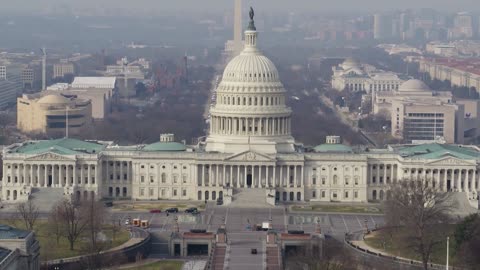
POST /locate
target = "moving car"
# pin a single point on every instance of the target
(155, 211)
(172, 210)
(191, 210)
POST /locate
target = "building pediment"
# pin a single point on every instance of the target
(450, 160)
(249, 156)
(50, 157)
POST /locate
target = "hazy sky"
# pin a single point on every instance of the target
(261, 5)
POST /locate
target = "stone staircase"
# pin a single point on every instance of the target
(46, 198)
(273, 258)
(249, 198)
(219, 258)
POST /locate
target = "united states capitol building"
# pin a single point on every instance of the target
(249, 149)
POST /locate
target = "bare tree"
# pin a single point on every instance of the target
(94, 213)
(54, 225)
(72, 222)
(420, 208)
(29, 213)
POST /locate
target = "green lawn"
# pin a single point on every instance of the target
(161, 265)
(50, 250)
(395, 243)
(147, 206)
(339, 209)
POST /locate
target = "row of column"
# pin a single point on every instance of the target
(253, 101)
(461, 180)
(116, 170)
(255, 176)
(250, 126)
(377, 176)
(52, 175)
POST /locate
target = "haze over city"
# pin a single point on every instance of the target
(239, 134)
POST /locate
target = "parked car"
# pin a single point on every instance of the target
(172, 210)
(127, 222)
(153, 211)
(191, 210)
(108, 204)
(253, 251)
(219, 201)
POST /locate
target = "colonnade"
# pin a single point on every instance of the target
(50, 175)
(255, 176)
(253, 126)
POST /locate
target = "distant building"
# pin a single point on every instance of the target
(62, 69)
(49, 114)
(462, 26)
(419, 114)
(127, 77)
(459, 72)
(19, 249)
(382, 27)
(352, 75)
(100, 90)
(8, 93)
(3, 72)
(28, 77)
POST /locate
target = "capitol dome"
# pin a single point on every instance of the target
(250, 111)
(414, 86)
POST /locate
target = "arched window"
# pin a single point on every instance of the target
(214, 195)
(335, 180)
(206, 195)
(199, 195)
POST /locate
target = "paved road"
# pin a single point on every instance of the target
(238, 221)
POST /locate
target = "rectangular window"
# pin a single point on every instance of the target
(151, 192)
(184, 193)
(174, 192)
(151, 179)
(314, 181)
(93, 180)
(355, 194)
(323, 180)
(184, 179)
(346, 194)
(373, 179)
(111, 176)
(125, 177)
(142, 179)
(142, 192)
(163, 192)
(356, 181)
(314, 194)
(323, 194)
(175, 179)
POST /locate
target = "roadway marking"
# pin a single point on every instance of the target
(359, 223)
(344, 223)
(151, 218)
(164, 223)
(226, 217)
(374, 223)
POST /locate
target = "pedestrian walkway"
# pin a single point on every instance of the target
(194, 265)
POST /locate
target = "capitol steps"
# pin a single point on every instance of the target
(46, 198)
(249, 198)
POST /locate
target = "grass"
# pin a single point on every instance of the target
(339, 209)
(395, 243)
(50, 250)
(147, 206)
(161, 265)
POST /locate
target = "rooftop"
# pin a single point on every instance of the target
(436, 151)
(65, 146)
(8, 232)
(165, 146)
(333, 148)
(94, 82)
